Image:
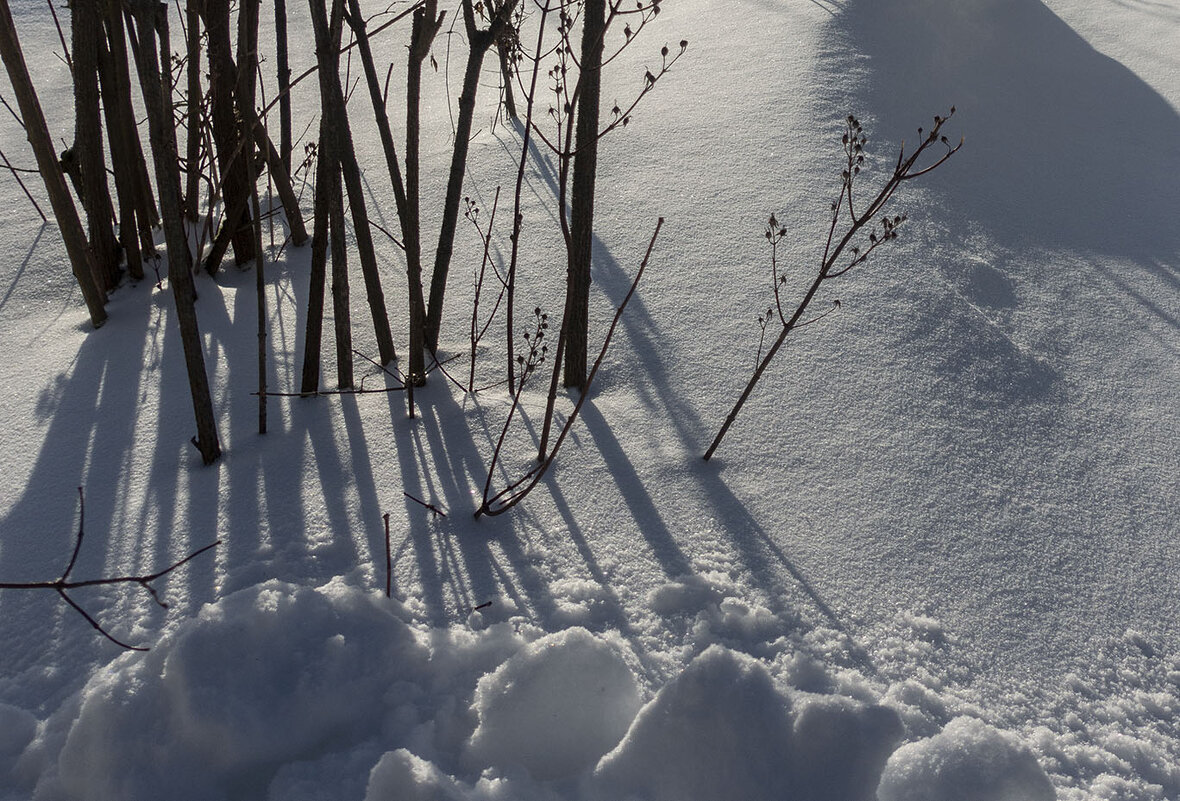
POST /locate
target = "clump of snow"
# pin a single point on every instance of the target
(401, 776)
(555, 707)
(688, 594)
(723, 729)
(969, 761)
(271, 674)
(581, 602)
(718, 730)
(839, 748)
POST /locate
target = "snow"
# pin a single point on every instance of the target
(968, 759)
(554, 708)
(934, 558)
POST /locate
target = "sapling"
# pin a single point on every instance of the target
(847, 225)
(515, 492)
(471, 212)
(537, 349)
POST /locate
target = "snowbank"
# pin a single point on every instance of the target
(281, 691)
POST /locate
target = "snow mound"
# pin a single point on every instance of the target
(272, 674)
(719, 730)
(722, 729)
(333, 693)
(555, 707)
(968, 761)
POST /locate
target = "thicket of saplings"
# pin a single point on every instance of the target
(213, 103)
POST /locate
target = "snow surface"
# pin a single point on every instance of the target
(935, 558)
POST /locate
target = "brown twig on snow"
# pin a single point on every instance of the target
(429, 506)
(388, 561)
(62, 584)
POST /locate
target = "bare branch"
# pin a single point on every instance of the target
(63, 584)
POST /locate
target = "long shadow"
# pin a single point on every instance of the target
(93, 416)
(24, 265)
(1067, 148)
(650, 379)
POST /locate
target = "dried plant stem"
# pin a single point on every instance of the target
(514, 493)
(844, 207)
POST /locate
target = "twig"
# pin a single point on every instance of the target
(906, 169)
(62, 584)
(69, 61)
(25, 189)
(421, 502)
(13, 113)
(388, 561)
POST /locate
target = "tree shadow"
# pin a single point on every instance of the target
(24, 265)
(95, 413)
(649, 378)
(1066, 147)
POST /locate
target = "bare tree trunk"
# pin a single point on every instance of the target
(340, 294)
(145, 202)
(151, 17)
(427, 21)
(417, 371)
(80, 255)
(192, 173)
(576, 323)
(231, 158)
(86, 29)
(326, 165)
(284, 78)
(244, 97)
(247, 52)
(333, 98)
(260, 293)
(135, 227)
(479, 42)
(506, 76)
(279, 174)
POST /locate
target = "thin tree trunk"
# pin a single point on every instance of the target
(576, 323)
(260, 291)
(427, 21)
(326, 165)
(86, 29)
(417, 371)
(192, 173)
(333, 99)
(77, 248)
(340, 295)
(279, 174)
(479, 43)
(244, 97)
(247, 52)
(284, 79)
(144, 198)
(132, 222)
(506, 76)
(156, 98)
(230, 157)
